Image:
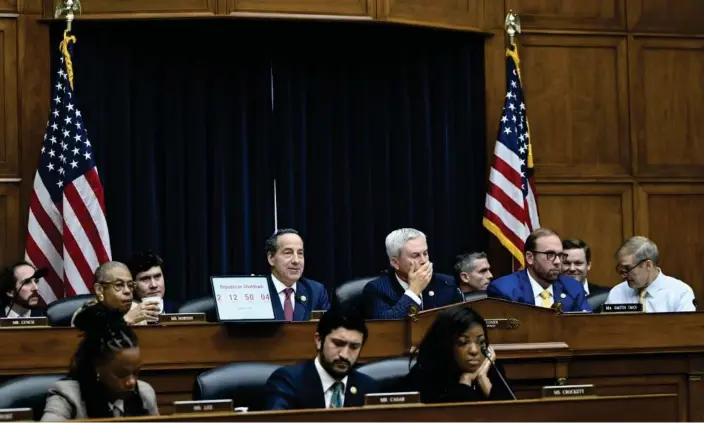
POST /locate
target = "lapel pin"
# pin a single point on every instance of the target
(431, 293)
(303, 298)
(353, 390)
(563, 295)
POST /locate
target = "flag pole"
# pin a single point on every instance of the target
(67, 9)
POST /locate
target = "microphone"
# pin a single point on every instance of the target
(464, 300)
(485, 351)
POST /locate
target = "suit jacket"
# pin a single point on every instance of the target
(64, 402)
(516, 287)
(170, 306)
(310, 295)
(384, 298)
(431, 393)
(299, 387)
(595, 289)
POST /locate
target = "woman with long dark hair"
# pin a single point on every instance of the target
(103, 376)
(451, 365)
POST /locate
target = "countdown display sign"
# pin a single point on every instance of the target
(242, 298)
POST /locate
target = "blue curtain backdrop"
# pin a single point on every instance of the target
(380, 127)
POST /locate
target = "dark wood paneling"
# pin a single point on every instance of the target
(442, 13)
(30, 6)
(576, 98)
(9, 143)
(338, 7)
(141, 8)
(599, 214)
(9, 216)
(8, 6)
(570, 14)
(666, 16)
(666, 102)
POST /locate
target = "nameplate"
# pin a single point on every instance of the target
(510, 323)
(24, 322)
(622, 308)
(316, 314)
(16, 414)
(181, 318)
(568, 391)
(204, 406)
(391, 398)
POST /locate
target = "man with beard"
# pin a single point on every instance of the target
(20, 292)
(328, 380)
(148, 272)
(540, 283)
(293, 297)
(645, 283)
(577, 263)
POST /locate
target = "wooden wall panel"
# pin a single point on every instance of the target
(599, 214)
(338, 7)
(576, 14)
(9, 216)
(8, 6)
(577, 102)
(671, 215)
(667, 77)
(9, 144)
(136, 8)
(666, 16)
(442, 13)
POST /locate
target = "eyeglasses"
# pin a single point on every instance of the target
(552, 255)
(624, 272)
(120, 285)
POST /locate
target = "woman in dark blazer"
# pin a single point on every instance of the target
(102, 380)
(451, 365)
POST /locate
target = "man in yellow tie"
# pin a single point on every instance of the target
(540, 283)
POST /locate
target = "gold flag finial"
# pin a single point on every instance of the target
(513, 26)
(68, 8)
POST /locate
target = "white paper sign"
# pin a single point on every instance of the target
(243, 298)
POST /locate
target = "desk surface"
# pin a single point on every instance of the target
(661, 407)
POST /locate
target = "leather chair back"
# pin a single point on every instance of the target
(61, 311)
(27, 392)
(597, 300)
(243, 382)
(201, 305)
(349, 294)
(388, 372)
(474, 295)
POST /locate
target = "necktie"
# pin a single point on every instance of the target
(288, 307)
(546, 298)
(643, 293)
(336, 401)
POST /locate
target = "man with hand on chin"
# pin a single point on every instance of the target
(411, 282)
(293, 297)
(329, 380)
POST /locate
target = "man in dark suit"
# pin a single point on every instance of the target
(578, 263)
(148, 274)
(19, 283)
(292, 296)
(329, 380)
(411, 283)
(540, 283)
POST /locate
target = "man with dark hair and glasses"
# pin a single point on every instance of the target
(541, 283)
(644, 283)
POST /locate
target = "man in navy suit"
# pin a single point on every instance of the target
(19, 283)
(292, 296)
(147, 271)
(411, 282)
(329, 380)
(540, 283)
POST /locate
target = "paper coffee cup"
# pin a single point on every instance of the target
(153, 300)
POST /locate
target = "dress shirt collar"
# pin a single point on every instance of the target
(280, 286)
(18, 311)
(537, 289)
(325, 379)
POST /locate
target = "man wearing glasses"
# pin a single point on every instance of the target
(644, 283)
(541, 283)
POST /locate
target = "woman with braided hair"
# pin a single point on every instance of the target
(102, 379)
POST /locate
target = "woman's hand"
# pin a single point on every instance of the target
(481, 376)
(142, 312)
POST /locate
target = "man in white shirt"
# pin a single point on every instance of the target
(644, 282)
(328, 380)
(20, 292)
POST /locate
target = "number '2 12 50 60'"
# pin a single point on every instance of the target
(247, 297)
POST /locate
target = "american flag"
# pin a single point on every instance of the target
(67, 231)
(511, 210)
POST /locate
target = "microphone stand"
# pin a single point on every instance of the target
(485, 351)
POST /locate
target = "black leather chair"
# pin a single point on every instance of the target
(27, 392)
(597, 300)
(388, 372)
(201, 305)
(474, 295)
(243, 382)
(349, 294)
(61, 311)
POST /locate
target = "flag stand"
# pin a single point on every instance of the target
(67, 9)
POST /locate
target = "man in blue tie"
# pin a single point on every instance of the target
(292, 296)
(329, 380)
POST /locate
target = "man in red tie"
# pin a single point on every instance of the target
(292, 296)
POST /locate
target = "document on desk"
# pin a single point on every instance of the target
(242, 298)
